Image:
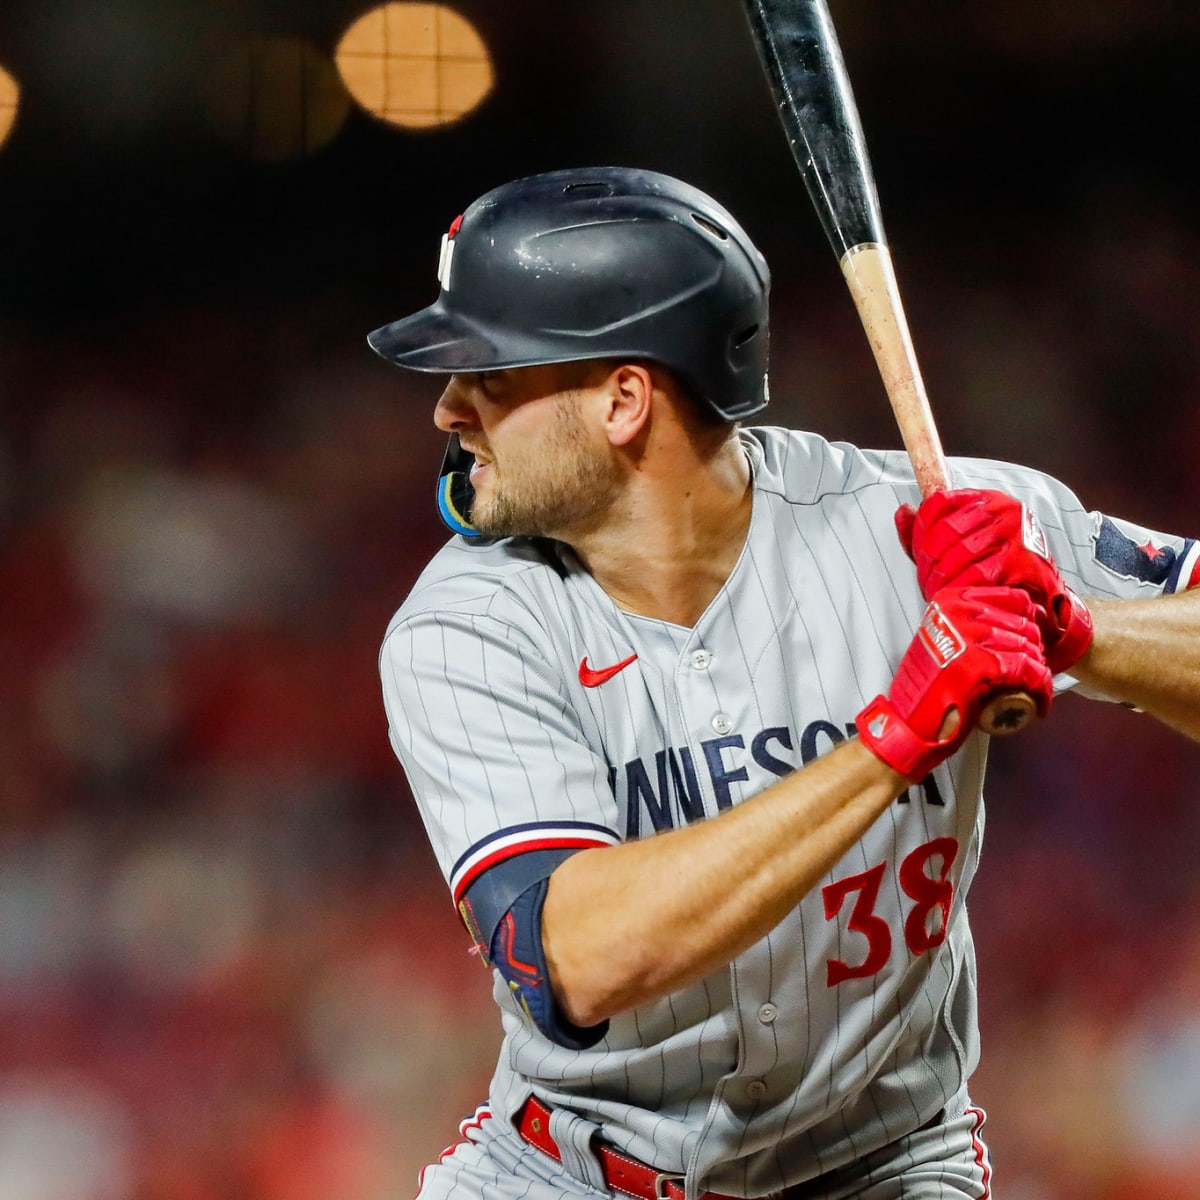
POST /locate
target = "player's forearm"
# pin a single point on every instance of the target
(626, 925)
(1147, 653)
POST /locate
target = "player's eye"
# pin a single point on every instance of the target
(490, 382)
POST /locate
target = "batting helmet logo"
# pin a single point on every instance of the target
(446, 258)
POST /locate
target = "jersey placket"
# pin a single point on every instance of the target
(715, 696)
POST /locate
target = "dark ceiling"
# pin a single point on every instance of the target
(115, 193)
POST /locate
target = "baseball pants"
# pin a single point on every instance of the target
(945, 1160)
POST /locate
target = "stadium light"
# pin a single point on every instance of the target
(10, 98)
(415, 65)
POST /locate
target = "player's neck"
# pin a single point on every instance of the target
(673, 542)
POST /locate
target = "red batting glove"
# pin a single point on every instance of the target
(971, 643)
(969, 537)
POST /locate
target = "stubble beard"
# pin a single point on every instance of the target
(560, 485)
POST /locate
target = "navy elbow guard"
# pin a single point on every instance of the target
(517, 953)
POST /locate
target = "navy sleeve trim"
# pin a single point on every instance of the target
(519, 840)
(1185, 571)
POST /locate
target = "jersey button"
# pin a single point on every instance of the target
(722, 723)
(700, 660)
(767, 1013)
(756, 1089)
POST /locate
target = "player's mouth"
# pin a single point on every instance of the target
(483, 460)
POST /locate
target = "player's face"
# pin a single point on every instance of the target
(540, 468)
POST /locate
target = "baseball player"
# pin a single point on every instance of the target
(694, 733)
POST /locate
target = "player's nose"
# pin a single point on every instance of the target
(454, 411)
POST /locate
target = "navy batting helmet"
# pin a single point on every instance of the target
(604, 262)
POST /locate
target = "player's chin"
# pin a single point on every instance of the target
(490, 518)
(499, 520)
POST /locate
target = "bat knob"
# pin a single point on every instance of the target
(1007, 713)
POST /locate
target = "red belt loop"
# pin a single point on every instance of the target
(621, 1173)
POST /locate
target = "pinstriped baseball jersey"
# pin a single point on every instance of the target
(530, 713)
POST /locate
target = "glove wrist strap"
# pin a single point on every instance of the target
(893, 740)
(1076, 636)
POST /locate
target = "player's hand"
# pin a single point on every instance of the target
(971, 537)
(972, 643)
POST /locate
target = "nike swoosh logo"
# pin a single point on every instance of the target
(590, 678)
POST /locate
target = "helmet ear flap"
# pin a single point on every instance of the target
(746, 363)
(744, 337)
(747, 347)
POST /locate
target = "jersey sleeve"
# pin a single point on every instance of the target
(1098, 555)
(492, 748)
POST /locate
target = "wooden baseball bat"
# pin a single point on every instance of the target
(800, 53)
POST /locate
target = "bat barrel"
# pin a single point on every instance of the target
(803, 62)
(802, 58)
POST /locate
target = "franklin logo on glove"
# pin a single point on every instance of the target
(980, 537)
(939, 637)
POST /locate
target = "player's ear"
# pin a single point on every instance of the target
(630, 395)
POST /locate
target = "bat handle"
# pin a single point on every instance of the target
(871, 278)
(1007, 713)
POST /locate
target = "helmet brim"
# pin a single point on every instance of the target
(436, 340)
(440, 340)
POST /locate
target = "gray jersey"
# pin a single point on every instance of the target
(529, 712)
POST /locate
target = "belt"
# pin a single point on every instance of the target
(630, 1177)
(621, 1173)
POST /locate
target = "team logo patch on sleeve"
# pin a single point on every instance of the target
(1130, 558)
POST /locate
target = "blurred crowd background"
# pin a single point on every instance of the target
(229, 969)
